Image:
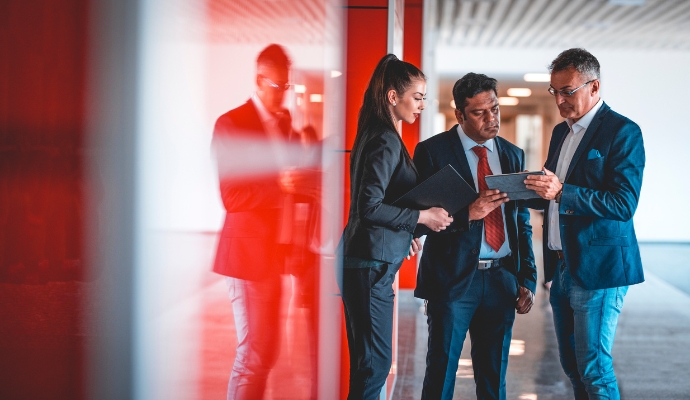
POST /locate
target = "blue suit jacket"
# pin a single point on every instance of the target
(450, 257)
(600, 195)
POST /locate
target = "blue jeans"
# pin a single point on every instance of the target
(585, 322)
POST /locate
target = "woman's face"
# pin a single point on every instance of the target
(410, 104)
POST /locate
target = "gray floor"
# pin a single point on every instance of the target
(668, 261)
(652, 350)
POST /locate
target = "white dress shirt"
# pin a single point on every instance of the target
(268, 120)
(278, 146)
(570, 145)
(486, 251)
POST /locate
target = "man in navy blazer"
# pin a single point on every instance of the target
(476, 273)
(589, 194)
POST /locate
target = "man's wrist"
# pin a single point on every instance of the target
(558, 196)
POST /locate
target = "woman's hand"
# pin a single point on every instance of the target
(436, 218)
(415, 247)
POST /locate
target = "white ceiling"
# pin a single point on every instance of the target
(526, 24)
(266, 21)
(656, 24)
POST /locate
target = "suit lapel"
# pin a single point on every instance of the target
(250, 116)
(507, 167)
(589, 134)
(461, 164)
(553, 164)
(243, 121)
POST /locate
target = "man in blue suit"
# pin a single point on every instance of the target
(589, 194)
(480, 270)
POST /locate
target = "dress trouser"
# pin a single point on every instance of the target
(368, 300)
(255, 307)
(487, 310)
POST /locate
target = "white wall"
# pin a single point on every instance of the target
(648, 87)
(187, 85)
(186, 82)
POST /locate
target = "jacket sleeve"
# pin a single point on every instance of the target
(527, 271)
(255, 195)
(623, 169)
(380, 157)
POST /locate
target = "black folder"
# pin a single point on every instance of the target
(513, 185)
(445, 188)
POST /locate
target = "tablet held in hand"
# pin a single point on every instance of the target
(513, 185)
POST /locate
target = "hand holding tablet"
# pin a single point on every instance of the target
(513, 185)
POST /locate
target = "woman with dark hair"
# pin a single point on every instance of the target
(378, 235)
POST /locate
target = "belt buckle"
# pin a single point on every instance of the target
(485, 264)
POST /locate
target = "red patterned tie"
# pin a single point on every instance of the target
(493, 223)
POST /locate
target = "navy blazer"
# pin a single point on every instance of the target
(600, 195)
(379, 175)
(450, 257)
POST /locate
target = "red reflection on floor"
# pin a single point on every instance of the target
(294, 373)
(218, 341)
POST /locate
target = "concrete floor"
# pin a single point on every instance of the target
(651, 352)
(43, 336)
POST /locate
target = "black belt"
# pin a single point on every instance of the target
(560, 255)
(492, 263)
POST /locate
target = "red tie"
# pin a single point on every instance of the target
(493, 223)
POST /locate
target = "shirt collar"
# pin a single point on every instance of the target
(468, 143)
(586, 119)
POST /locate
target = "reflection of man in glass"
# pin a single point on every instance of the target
(249, 142)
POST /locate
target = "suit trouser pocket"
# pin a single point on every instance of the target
(379, 276)
(368, 300)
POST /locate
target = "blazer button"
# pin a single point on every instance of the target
(453, 230)
(569, 211)
(475, 251)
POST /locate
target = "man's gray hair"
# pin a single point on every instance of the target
(579, 59)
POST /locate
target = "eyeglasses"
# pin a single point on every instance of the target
(565, 93)
(284, 86)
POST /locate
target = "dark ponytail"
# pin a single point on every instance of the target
(374, 115)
